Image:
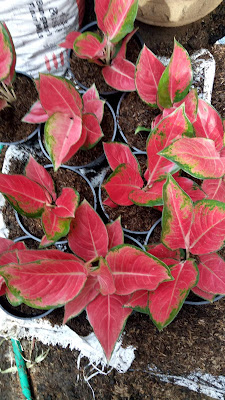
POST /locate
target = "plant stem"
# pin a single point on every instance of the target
(6, 94)
(22, 370)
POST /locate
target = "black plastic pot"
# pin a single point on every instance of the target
(192, 303)
(61, 242)
(14, 311)
(94, 163)
(94, 27)
(35, 132)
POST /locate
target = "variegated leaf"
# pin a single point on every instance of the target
(115, 233)
(119, 153)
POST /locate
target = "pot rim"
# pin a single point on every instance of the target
(98, 160)
(32, 134)
(60, 242)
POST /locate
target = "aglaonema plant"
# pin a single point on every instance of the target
(100, 277)
(115, 19)
(7, 67)
(33, 195)
(192, 235)
(72, 122)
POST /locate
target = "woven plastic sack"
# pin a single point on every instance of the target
(37, 27)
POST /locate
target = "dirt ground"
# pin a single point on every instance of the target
(194, 342)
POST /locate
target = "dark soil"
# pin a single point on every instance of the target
(88, 73)
(12, 129)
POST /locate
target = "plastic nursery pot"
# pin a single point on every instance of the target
(190, 302)
(108, 91)
(22, 312)
(7, 114)
(133, 208)
(61, 242)
(97, 151)
(172, 13)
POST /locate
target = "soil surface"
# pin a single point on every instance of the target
(193, 342)
(12, 129)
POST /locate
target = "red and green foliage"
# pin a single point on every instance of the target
(7, 67)
(115, 19)
(71, 121)
(33, 195)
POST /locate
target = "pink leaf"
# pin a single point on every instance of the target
(138, 301)
(122, 51)
(191, 105)
(119, 19)
(120, 74)
(39, 174)
(93, 129)
(121, 183)
(211, 274)
(197, 156)
(120, 153)
(45, 278)
(115, 233)
(26, 196)
(61, 133)
(75, 147)
(88, 236)
(89, 45)
(133, 269)
(161, 252)
(168, 129)
(87, 294)
(190, 188)
(45, 242)
(67, 203)
(168, 298)
(101, 7)
(148, 73)
(5, 244)
(69, 41)
(6, 55)
(3, 104)
(8, 81)
(209, 124)
(113, 318)
(59, 95)
(149, 196)
(92, 103)
(176, 79)
(201, 293)
(177, 216)
(36, 114)
(214, 189)
(54, 227)
(208, 228)
(104, 277)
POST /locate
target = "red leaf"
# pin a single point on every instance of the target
(104, 277)
(54, 227)
(89, 45)
(122, 51)
(38, 174)
(2, 286)
(176, 79)
(45, 278)
(5, 244)
(87, 294)
(209, 124)
(121, 183)
(93, 129)
(101, 7)
(36, 114)
(119, 153)
(168, 298)
(120, 74)
(133, 269)
(161, 252)
(212, 274)
(214, 189)
(6, 55)
(69, 41)
(197, 156)
(93, 104)
(149, 196)
(139, 301)
(67, 203)
(88, 236)
(45, 242)
(119, 19)
(115, 233)
(59, 95)
(168, 129)
(176, 217)
(201, 293)
(108, 202)
(191, 188)
(112, 321)
(26, 196)
(208, 228)
(148, 73)
(61, 133)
